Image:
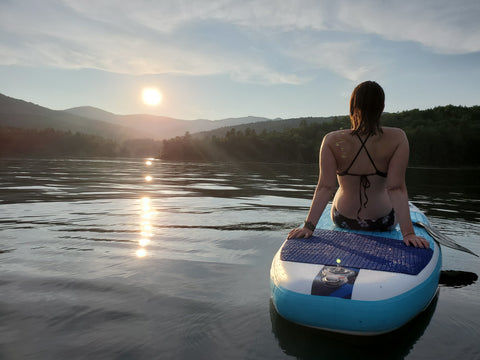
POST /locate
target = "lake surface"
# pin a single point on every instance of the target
(120, 259)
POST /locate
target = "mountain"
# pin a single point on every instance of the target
(94, 113)
(22, 114)
(268, 126)
(91, 120)
(161, 127)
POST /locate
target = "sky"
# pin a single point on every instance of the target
(215, 59)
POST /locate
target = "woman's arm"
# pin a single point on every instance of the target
(326, 186)
(397, 191)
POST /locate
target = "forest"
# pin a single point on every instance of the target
(20, 142)
(445, 136)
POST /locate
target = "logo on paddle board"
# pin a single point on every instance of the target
(335, 281)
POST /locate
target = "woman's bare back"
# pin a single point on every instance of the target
(351, 195)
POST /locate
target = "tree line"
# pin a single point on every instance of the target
(446, 136)
(20, 142)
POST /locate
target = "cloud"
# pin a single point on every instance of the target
(447, 27)
(254, 41)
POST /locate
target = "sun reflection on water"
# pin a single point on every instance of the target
(143, 242)
(146, 214)
(141, 253)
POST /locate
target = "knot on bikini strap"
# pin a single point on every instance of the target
(364, 185)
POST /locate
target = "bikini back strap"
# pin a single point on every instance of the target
(378, 172)
(363, 147)
(345, 172)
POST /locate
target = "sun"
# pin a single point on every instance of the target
(151, 96)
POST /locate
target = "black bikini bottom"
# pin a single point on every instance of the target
(385, 223)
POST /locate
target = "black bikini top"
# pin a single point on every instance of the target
(364, 182)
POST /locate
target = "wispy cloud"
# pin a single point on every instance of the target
(448, 27)
(260, 41)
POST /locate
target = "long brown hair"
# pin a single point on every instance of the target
(366, 106)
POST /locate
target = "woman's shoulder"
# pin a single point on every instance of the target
(331, 136)
(334, 138)
(392, 138)
(393, 135)
(393, 131)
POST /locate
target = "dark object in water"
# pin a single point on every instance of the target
(457, 279)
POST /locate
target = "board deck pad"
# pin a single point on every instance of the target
(357, 251)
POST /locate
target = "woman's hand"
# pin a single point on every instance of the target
(300, 233)
(417, 241)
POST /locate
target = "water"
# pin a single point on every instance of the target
(99, 263)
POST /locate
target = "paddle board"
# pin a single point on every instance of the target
(354, 282)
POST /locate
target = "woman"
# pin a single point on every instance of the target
(369, 162)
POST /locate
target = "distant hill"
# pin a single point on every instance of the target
(269, 125)
(90, 120)
(94, 113)
(161, 127)
(444, 136)
(21, 114)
